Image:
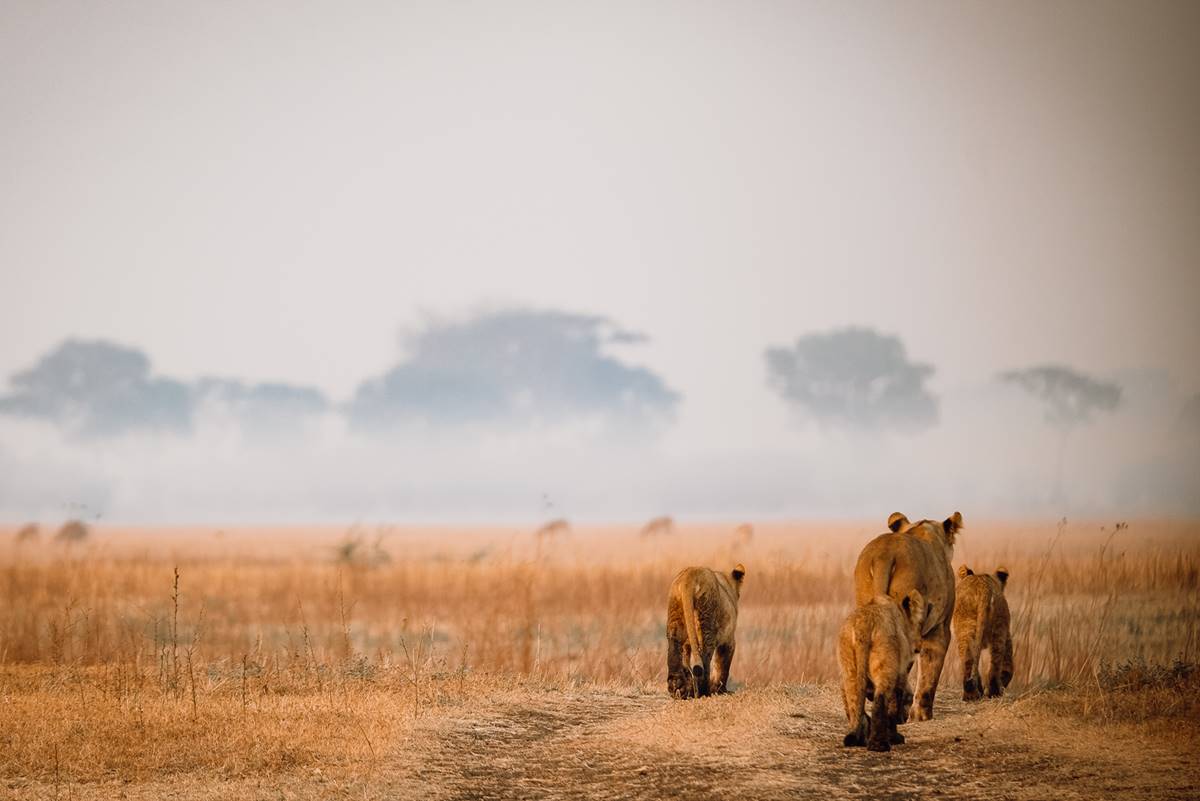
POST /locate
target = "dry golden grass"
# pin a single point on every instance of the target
(285, 652)
(588, 606)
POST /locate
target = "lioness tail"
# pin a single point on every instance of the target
(881, 575)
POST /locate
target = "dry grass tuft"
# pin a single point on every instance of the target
(1136, 692)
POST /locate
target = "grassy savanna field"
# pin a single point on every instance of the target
(457, 663)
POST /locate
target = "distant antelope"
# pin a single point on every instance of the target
(658, 526)
(553, 529)
(743, 534)
(72, 531)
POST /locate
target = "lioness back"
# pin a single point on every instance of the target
(897, 562)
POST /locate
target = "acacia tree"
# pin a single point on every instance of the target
(513, 366)
(96, 389)
(1069, 399)
(853, 378)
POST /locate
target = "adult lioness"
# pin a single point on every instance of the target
(701, 620)
(915, 556)
(981, 622)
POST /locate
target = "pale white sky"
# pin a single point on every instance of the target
(276, 190)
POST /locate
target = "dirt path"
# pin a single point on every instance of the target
(768, 743)
(778, 743)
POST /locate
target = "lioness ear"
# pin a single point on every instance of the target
(964, 571)
(952, 525)
(897, 521)
(738, 572)
(1002, 574)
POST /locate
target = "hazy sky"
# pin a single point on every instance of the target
(277, 191)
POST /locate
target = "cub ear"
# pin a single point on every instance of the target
(897, 521)
(964, 571)
(1002, 574)
(738, 572)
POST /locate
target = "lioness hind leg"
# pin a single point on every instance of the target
(969, 646)
(932, 659)
(1006, 661)
(852, 694)
(1000, 670)
(880, 737)
(897, 712)
(679, 679)
(906, 702)
(857, 735)
(723, 659)
(972, 682)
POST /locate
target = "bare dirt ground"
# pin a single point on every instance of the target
(768, 743)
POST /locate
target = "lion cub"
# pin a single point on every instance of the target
(981, 621)
(877, 643)
(701, 620)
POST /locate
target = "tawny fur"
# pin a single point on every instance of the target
(876, 644)
(915, 556)
(702, 612)
(981, 623)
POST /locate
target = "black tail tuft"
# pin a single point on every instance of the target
(700, 681)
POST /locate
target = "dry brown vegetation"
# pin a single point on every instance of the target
(321, 662)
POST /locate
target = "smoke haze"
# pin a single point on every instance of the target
(442, 261)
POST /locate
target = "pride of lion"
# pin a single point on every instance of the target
(907, 605)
